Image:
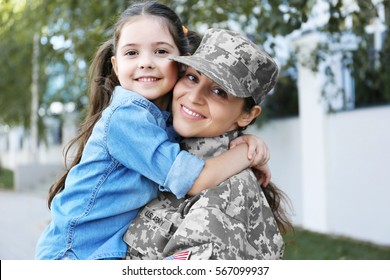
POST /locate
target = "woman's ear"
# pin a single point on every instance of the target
(247, 117)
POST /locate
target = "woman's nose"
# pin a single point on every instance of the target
(195, 95)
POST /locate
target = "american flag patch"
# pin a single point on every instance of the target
(184, 255)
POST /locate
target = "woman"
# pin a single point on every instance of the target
(219, 95)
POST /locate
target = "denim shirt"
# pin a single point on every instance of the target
(126, 160)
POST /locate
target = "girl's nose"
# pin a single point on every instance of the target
(145, 62)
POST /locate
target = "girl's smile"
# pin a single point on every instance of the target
(147, 82)
(147, 79)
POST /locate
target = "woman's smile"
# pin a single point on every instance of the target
(190, 113)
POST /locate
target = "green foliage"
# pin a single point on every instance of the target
(282, 102)
(369, 67)
(372, 70)
(15, 58)
(307, 245)
(372, 84)
(71, 31)
(6, 179)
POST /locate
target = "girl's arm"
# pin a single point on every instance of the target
(259, 150)
(142, 145)
(220, 168)
(233, 161)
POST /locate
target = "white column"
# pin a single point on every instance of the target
(312, 125)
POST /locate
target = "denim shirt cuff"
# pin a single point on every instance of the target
(182, 175)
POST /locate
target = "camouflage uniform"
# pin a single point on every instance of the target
(230, 221)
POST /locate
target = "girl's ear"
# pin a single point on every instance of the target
(114, 67)
(246, 118)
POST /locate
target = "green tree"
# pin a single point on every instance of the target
(71, 31)
(15, 58)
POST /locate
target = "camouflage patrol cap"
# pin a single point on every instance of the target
(235, 63)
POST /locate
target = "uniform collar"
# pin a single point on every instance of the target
(206, 147)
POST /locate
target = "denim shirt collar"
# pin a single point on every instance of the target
(121, 91)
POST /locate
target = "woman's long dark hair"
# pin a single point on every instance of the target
(103, 79)
(277, 199)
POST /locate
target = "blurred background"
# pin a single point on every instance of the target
(327, 122)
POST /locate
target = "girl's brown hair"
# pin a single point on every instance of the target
(103, 79)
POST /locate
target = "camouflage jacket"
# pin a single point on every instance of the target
(230, 221)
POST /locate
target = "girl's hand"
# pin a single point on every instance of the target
(258, 152)
(263, 174)
(257, 149)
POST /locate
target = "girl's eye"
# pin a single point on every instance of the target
(220, 92)
(131, 53)
(161, 51)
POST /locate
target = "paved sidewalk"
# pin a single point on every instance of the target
(23, 216)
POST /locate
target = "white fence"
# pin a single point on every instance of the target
(356, 201)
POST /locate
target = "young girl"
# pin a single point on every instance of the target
(124, 155)
(218, 96)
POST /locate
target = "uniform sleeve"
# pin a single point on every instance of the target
(137, 140)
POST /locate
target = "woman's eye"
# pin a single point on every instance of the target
(191, 78)
(220, 92)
